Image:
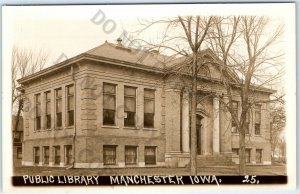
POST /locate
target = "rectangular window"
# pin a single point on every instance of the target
(109, 154)
(130, 155)
(109, 104)
(70, 105)
(129, 106)
(257, 119)
(36, 155)
(68, 154)
(150, 155)
(258, 155)
(56, 153)
(19, 152)
(48, 109)
(58, 102)
(149, 102)
(46, 154)
(38, 111)
(235, 151)
(235, 109)
(247, 155)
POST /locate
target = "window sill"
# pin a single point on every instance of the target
(150, 129)
(130, 128)
(70, 127)
(110, 126)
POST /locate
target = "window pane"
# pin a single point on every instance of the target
(58, 105)
(149, 93)
(68, 154)
(247, 155)
(109, 102)
(148, 120)
(150, 155)
(46, 155)
(71, 90)
(59, 119)
(108, 117)
(71, 103)
(129, 121)
(48, 121)
(19, 153)
(56, 155)
(109, 155)
(48, 107)
(148, 106)
(129, 91)
(257, 113)
(36, 155)
(109, 88)
(71, 117)
(58, 93)
(130, 104)
(130, 154)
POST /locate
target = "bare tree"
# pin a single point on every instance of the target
(183, 37)
(278, 117)
(24, 62)
(244, 45)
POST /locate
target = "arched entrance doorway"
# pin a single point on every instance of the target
(199, 128)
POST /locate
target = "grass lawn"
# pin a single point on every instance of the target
(226, 170)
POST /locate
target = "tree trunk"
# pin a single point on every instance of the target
(18, 114)
(242, 159)
(193, 119)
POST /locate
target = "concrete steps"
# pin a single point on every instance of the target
(214, 160)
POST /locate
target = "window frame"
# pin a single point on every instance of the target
(153, 114)
(114, 148)
(155, 155)
(126, 155)
(44, 156)
(126, 112)
(109, 111)
(47, 115)
(257, 126)
(38, 116)
(36, 149)
(68, 96)
(55, 156)
(56, 103)
(67, 156)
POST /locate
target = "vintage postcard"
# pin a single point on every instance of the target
(185, 96)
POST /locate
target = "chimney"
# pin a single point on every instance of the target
(119, 40)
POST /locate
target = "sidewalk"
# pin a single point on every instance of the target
(226, 170)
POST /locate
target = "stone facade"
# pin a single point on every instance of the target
(89, 143)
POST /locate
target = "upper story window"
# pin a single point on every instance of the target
(68, 154)
(38, 111)
(149, 101)
(56, 152)
(58, 109)
(109, 104)
(48, 109)
(129, 106)
(235, 108)
(70, 105)
(257, 119)
(46, 154)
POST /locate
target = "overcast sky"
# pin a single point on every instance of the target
(66, 31)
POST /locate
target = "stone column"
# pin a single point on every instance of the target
(173, 120)
(225, 128)
(216, 128)
(185, 137)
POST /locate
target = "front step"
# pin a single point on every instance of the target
(214, 160)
